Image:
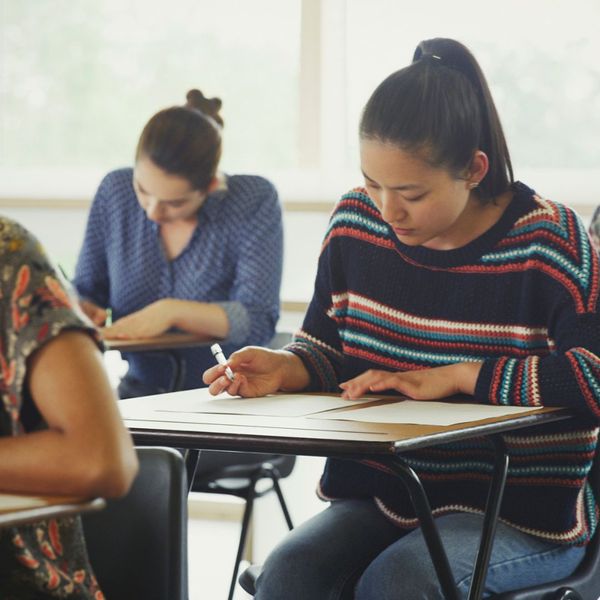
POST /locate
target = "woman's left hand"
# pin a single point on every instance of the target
(150, 321)
(425, 384)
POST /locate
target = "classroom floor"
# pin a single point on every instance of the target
(212, 545)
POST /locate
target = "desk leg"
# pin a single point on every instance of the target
(492, 509)
(430, 532)
(178, 371)
(191, 458)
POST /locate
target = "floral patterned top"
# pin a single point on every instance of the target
(46, 559)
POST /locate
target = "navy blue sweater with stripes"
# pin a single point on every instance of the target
(522, 298)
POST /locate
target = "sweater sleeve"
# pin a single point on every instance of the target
(569, 375)
(318, 342)
(91, 272)
(253, 304)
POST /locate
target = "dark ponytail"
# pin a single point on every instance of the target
(185, 140)
(441, 107)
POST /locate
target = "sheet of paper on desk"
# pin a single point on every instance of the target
(423, 413)
(280, 405)
(11, 502)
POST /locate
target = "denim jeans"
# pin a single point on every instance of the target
(351, 551)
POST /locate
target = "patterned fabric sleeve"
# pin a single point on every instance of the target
(318, 342)
(47, 559)
(253, 305)
(570, 374)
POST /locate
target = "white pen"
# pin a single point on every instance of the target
(218, 354)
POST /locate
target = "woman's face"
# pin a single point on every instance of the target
(165, 198)
(424, 205)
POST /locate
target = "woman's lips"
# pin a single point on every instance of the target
(400, 231)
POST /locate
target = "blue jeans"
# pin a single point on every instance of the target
(351, 551)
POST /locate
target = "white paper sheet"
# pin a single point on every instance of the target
(280, 405)
(423, 413)
(10, 502)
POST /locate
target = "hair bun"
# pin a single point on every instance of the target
(209, 106)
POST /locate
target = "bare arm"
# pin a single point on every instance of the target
(86, 449)
(160, 316)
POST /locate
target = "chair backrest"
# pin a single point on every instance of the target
(138, 544)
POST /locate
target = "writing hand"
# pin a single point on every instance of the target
(258, 371)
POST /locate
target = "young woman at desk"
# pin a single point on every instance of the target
(174, 243)
(60, 430)
(442, 276)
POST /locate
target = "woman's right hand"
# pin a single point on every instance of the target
(258, 372)
(93, 312)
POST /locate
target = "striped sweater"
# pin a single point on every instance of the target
(522, 298)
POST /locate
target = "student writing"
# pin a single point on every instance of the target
(175, 244)
(442, 275)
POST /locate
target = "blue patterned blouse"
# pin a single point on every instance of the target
(233, 259)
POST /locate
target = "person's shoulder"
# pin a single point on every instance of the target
(17, 241)
(116, 183)
(253, 188)
(547, 217)
(356, 218)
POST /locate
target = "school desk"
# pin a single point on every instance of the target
(157, 420)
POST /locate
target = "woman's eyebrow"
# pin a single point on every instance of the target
(160, 200)
(408, 186)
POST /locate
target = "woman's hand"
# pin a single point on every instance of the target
(93, 312)
(257, 372)
(150, 321)
(425, 384)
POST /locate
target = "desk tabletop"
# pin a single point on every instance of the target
(165, 341)
(17, 509)
(161, 424)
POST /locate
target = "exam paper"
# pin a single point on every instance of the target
(424, 413)
(278, 405)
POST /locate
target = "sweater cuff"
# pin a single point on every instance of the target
(239, 322)
(484, 380)
(322, 375)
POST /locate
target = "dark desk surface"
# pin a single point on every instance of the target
(166, 341)
(13, 511)
(301, 435)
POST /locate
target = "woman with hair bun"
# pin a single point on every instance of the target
(443, 276)
(175, 244)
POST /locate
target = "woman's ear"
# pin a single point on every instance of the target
(478, 168)
(215, 182)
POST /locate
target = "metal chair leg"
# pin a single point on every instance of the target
(284, 508)
(245, 524)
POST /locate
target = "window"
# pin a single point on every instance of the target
(78, 80)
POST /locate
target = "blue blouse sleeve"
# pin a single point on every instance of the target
(253, 304)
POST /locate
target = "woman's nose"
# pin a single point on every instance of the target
(391, 209)
(153, 209)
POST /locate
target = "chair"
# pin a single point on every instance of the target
(241, 476)
(138, 544)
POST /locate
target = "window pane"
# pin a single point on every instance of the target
(78, 80)
(540, 58)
